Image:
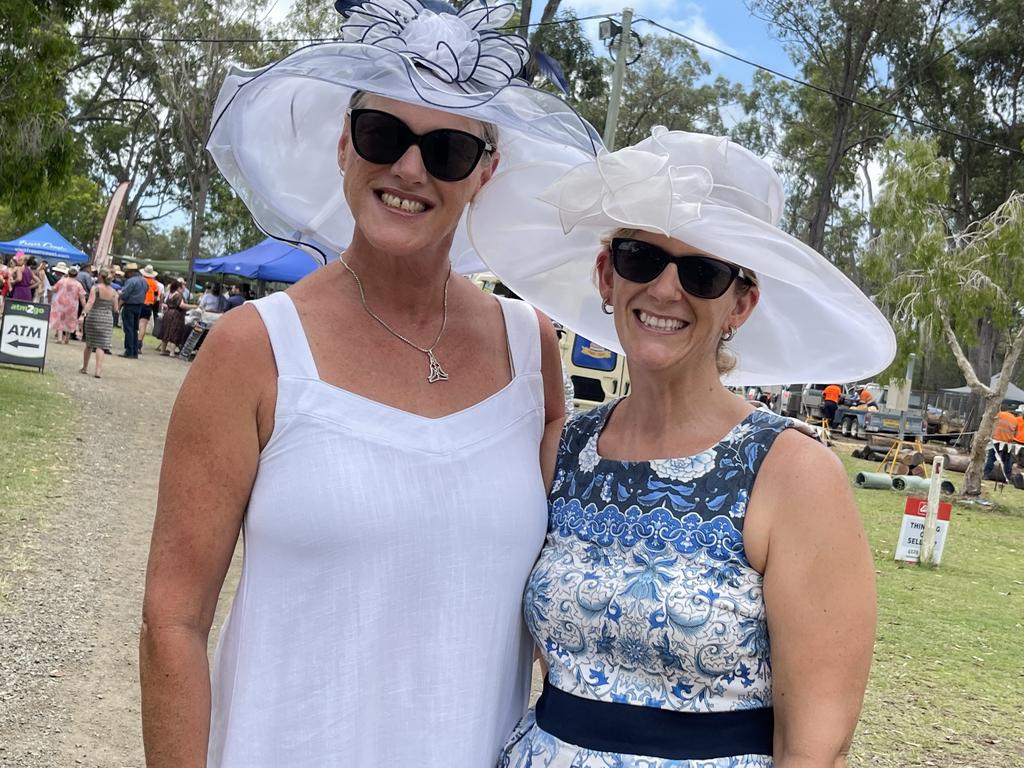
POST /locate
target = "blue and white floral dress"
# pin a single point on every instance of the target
(643, 594)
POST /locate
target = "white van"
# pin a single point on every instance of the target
(597, 374)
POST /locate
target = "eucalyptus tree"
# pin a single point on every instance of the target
(116, 109)
(844, 50)
(198, 44)
(970, 79)
(938, 280)
(37, 151)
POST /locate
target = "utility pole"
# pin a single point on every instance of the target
(625, 39)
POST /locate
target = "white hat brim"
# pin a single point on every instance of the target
(275, 135)
(811, 323)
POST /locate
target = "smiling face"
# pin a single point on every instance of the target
(661, 326)
(400, 208)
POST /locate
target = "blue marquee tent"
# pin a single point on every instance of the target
(45, 242)
(271, 260)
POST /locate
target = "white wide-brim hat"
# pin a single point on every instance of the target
(275, 130)
(811, 323)
(61, 268)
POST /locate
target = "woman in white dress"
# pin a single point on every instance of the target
(375, 431)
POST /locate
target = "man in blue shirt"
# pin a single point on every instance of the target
(235, 299)
(133, 295)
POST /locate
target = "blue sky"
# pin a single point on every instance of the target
(726, 24)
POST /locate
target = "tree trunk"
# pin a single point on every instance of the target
(827, 183)
(198, 219)
(547, 16)
(523, 30)
(979, 446)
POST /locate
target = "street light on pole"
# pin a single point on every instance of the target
(609, 30)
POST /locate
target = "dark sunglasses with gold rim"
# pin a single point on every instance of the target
(448, 154)
(700, 276)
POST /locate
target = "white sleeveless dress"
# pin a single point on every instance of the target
(378, 620)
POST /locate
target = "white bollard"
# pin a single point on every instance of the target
(931, 519)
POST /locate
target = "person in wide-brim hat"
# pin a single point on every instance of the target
(372, 398)
(811, 322)
(698, 547)
(276, 129)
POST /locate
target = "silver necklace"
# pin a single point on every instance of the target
(436, 372)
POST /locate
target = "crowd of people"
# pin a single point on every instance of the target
(86, 303)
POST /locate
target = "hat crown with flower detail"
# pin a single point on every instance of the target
(459, 47)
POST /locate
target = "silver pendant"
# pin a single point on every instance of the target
(436, 371)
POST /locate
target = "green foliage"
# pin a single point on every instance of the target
(75, 209)
(668, 85)
(571, 48)
(925, 274)
(145, 243)
(35, 147)
(231, 228)
(972, 79)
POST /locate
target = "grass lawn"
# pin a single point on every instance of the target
(947, 686)
(36, 421)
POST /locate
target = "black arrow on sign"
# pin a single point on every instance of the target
(18, 343)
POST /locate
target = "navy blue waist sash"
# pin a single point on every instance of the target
(628, 729)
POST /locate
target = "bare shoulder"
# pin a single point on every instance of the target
(801, 491)
(797, 463)
(547, 329)
(234, 371)
(239, 335)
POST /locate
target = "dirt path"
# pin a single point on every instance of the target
(69, 691)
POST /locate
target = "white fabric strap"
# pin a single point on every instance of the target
(523, 330)
(287, 337)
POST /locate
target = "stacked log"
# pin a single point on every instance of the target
(909, 460)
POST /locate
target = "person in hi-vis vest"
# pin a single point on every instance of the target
(830, 402)
(1009, 428)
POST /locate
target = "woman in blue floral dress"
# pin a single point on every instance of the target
(705, 595)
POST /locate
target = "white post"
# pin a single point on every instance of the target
(611, 122)
(931, 519)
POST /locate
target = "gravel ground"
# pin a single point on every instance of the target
(69, 680)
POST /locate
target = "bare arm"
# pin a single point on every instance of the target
(554, 401)
(222, 417)
(819, 595)
(92, 299)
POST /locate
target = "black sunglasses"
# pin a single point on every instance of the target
(448, 154)
(700, 276)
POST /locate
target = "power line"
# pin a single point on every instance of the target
(821, 89)
(306, 40)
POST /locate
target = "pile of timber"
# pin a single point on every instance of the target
(911, 461)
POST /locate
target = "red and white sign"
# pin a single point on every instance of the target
(909, 545)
